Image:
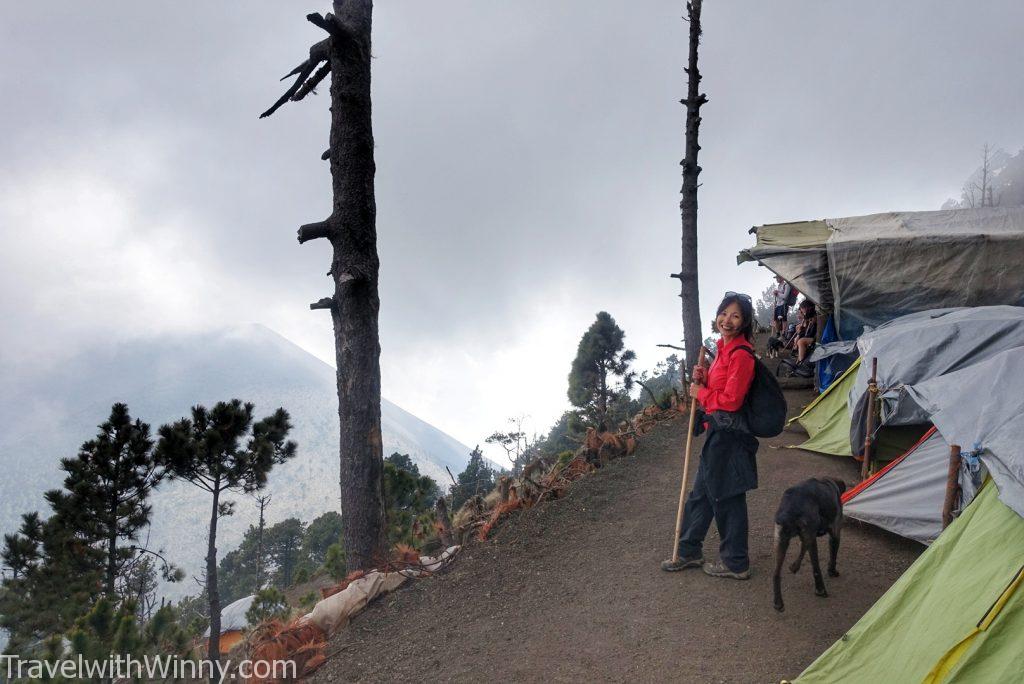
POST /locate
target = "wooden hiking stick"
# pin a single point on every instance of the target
(686, 467)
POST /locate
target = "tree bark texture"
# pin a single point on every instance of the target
(689, 292)
(211, 585)
(355, 268)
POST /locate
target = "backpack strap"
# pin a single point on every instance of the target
(750, 350)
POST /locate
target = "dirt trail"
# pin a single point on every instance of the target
(571, 590)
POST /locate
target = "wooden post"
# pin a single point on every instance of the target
(686, 466)
(865, 467)
(952, 486)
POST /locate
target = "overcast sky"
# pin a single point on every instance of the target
(527, 168)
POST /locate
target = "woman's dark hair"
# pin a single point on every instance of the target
(746, 310)
(808, 306)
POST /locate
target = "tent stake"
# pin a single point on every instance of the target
(952, 486)
(865, 467)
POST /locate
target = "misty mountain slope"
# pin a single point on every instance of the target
(45, 416)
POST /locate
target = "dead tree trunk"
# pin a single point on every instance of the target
(351, 230)
(263, 501)
(689, 293)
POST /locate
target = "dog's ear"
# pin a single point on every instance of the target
(840, 484)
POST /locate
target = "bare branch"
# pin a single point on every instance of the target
(313, 231)
(320, 52)
(325, 303)
(312, 83)
(328, 23)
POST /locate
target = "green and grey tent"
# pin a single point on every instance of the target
(871, 269)
(957, 614)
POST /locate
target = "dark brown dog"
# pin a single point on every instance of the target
(808, 510)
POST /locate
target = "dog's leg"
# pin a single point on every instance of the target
(833, 548)
(781, 545)
(811, 542)
(794, 567)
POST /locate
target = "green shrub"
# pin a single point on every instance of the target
(269, 603)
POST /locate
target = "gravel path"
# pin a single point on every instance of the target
(571, 590)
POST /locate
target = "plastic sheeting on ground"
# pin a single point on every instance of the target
(914, 348)
(334, 612)
(981, 409)
(906, 497)
(955, 616)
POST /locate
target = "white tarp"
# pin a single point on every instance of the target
(981, 409)
(335, 611)
(925, 345)
(907, 497)
(232, 616)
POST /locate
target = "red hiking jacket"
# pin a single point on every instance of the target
(729, 378)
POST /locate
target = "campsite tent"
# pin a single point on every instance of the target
(929, 344)
(907, 495)
(827, 421)
(871, 269)
(909, 349)
(957, 615)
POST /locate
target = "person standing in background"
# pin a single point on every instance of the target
(781, 301)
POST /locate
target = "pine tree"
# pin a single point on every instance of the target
(56, 577)
(477, 477)
(207, 451)
(107, 490)
(283, 543)
(599, 358)
(320, 534)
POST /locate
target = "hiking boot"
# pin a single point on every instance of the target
(681, 563)
(719, 570)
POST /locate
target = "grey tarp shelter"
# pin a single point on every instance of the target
(870, 269)
(921, 346)
(981, 409)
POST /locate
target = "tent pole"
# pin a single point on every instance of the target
(865, 467)
(952, 486)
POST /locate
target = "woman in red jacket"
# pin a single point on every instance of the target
(728, 469)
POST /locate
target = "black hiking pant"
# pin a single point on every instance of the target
(729, 512)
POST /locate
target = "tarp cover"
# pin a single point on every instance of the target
(981, 408)
(906, 497)
(926, 345)
(871, 269)
(955, 616)
(232, 616)
(886, 265)
(795, 251)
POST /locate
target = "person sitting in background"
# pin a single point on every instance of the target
(806, 330)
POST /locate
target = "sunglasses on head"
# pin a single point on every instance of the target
(745, 297)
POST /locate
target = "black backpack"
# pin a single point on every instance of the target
(791, 297)
(765, 405)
